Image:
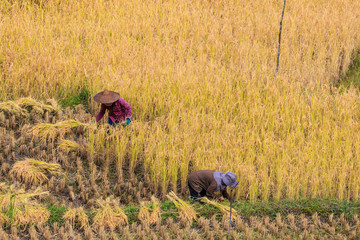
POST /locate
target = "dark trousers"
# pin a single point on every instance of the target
(112, 123)
(194, 195)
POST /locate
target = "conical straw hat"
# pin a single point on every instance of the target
(106, 96)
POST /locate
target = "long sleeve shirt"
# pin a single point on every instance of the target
(119, 110)
(203, 180)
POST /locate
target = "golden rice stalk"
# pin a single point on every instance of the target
(12, 108)
(186, 212)
(37, 106)
(223, 208)
(144, 214)
(32, 214)
(156, 211)
(31, 171)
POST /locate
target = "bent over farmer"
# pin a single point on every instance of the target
(119, 111)
(207, 182)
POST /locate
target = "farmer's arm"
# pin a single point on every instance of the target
(225, 194)
(101, 113)
(126, 107)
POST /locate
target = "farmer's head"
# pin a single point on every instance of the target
(106, 97)
(229, 179)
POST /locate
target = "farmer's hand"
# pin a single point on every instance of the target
(127, 122)
(222, 199)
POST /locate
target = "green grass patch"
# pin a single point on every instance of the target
(132, 213)
(324, 207)
(82, 97)
(206, 210)
(56, 214)
(168, 209)
(308, 207)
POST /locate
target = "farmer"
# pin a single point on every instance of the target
(207, 182)
(119, 110)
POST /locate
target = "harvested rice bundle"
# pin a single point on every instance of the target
(156, 211)
(223, 208)
(144, 214)
(54, 105)
(50, 131)
(68, 146)
(17, 196)
(70, 216)
(31, 171)
(186, 212)
(82, 218)
(32, 213)
(17, 204)
(110, 214)
(35, 105)
(45, 131)
(76, 215)
(5, 200)
(12, 108)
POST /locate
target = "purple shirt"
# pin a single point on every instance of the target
(119, 110)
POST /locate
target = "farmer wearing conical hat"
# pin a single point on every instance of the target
(118, 109)
(207, 182)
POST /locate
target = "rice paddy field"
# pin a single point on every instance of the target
(200, 77)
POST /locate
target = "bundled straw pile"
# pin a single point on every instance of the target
(186, 212)
(223, 208)
(31, 171)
